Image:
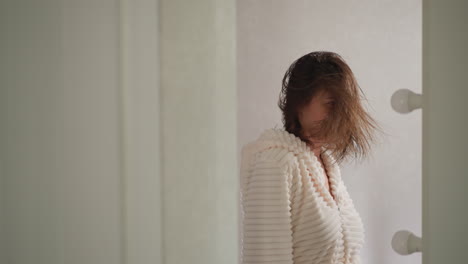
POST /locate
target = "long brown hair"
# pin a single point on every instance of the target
(348, 128)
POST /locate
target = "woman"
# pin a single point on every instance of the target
(295, 206)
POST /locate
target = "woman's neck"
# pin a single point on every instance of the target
(317, 150)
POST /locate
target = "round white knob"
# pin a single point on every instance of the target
(404, 242)
(404, 101)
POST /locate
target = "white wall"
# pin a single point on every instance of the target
(61, 152)
(80, 132)
(381, 41)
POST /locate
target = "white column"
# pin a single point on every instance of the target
(198, 115)
(445, 130)
(139, 127)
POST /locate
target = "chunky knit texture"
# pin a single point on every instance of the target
(288, 214)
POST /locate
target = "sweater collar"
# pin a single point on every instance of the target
(278, 137)
(281, 138)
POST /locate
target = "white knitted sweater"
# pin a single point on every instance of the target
(288, 214)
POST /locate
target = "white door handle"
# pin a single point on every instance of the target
(404, 242)
(404, 101)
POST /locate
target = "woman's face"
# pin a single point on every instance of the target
(317, 109)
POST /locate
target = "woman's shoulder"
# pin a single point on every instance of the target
(274, 156)
(274, 146)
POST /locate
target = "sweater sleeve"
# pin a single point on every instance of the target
(266, 234)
